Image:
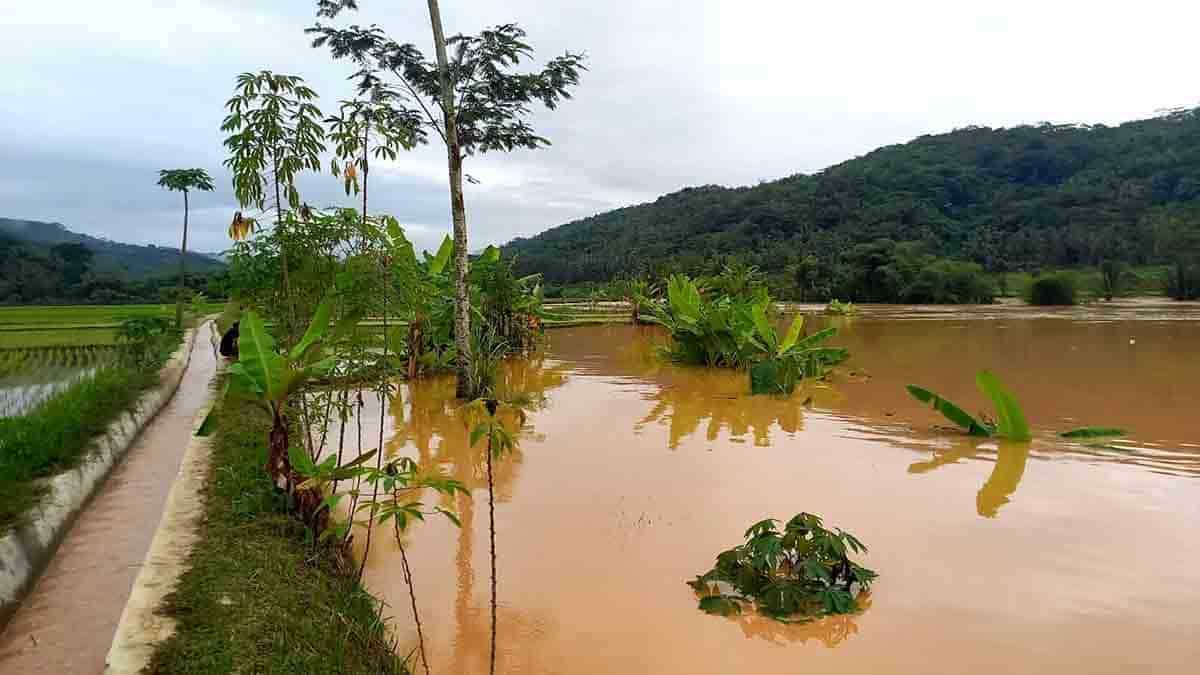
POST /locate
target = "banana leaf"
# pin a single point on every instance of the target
(1093, 432)
(1010, 419)
(950, 411)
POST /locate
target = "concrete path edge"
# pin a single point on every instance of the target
(142, 627)
(25, 551)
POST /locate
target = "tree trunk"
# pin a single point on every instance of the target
(182, 266)
(458, 210)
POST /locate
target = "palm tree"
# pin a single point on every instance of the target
(184, 180)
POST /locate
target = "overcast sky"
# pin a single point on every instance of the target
(95, 97)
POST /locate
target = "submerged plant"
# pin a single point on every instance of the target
(1010, 418)
(838, 308)
(797, 574)
(736, 332)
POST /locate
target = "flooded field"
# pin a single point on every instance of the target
(994, 557)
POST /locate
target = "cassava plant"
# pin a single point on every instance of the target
(799, 573)
(275, 134)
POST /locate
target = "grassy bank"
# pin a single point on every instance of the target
(55, 435)
(257, 598)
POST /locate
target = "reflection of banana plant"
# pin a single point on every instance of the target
(1010, 419)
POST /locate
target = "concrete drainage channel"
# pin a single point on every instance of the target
(141, 627)
(25, 552)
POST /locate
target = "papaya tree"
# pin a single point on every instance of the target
(184, 180)
(471, 97)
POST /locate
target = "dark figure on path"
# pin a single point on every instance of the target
(229, 342)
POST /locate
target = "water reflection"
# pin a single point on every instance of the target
(830, 631)
(1007, 469)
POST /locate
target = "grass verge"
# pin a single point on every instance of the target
(55, 435)
(257, 597)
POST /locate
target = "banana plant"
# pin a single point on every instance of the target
(271, 379)
(782, 363)
(1010, 418)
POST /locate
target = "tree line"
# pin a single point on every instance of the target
(1007, 200)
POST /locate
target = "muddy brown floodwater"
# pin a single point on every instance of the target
(994, 557)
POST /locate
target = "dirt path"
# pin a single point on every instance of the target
(67, 622)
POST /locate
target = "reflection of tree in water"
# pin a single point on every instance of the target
(1000, 485)
(829, 630)
(438, 430)
(695, 395)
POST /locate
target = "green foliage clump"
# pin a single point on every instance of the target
(1054, 289)
(799, 573)
(735, 332)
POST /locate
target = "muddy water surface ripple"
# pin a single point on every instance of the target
(994, 557)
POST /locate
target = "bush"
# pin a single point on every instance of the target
(1056, 289)
(951, 282)
(801, 572)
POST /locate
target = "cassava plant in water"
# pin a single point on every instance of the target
(797, 574)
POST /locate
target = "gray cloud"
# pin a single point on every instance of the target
(98, 96)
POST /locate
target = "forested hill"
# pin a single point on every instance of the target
(1008, 199)
(131, 261)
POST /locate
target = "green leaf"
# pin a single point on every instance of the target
(439, 261)
(257, 357)
(720, 605)
(762, 326)
(950, 411)
(478, 433)
(209, 424)
(1093, 432)
(316, 328)
(453, 517)
(1011, 420)
(793, 334)
(490, 254)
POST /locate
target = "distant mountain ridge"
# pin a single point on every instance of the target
(1025, 197)
(132, 260)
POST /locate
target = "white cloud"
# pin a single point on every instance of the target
(97, 96)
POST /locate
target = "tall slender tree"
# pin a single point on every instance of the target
(472, 97)
(184, 180)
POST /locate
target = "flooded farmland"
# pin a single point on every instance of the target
(1045, 557)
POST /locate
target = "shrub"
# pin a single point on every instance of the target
(802, 572)
(1055, 289)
